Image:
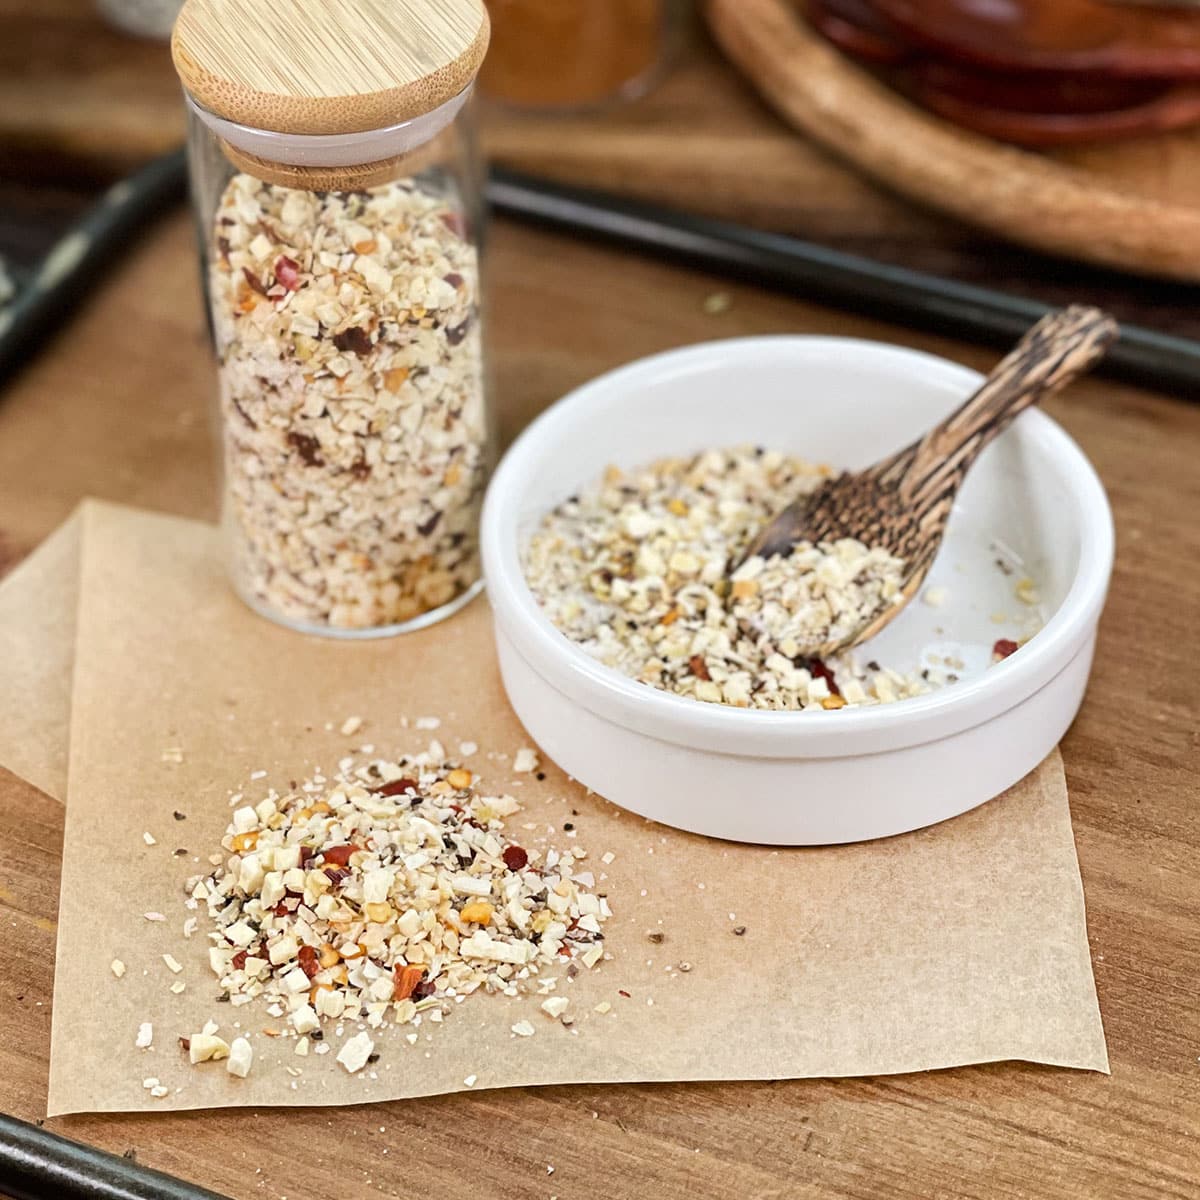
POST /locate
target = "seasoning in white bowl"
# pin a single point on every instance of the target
(634, 570)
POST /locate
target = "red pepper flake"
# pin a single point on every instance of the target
(340, 855)
(306, 852)
(1003, 648)
(397, 787)
(623, 992)
(337, 875)
(281, 909)
(698, 667)
(818, 668)
(238, 962)
(287, 272)
(455, 222)
(185, 1044)
(308, 961)
(515, 859)
(454, 279)
(406, 980)
(355, 339)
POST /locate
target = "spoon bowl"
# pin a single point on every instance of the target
(903, 502)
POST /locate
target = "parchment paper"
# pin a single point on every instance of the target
(38, 600)
(959, 944)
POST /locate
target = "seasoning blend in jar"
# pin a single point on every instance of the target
(338, 196)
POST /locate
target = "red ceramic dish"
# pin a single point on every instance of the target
(1055, 35)
(1043, 111)
(855, 28)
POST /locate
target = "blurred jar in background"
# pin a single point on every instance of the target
(571, 54)
(143, 18)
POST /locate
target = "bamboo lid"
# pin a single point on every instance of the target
(327, 66)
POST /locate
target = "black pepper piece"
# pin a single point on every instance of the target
(456, 333)
(356, 340)
(307, 447)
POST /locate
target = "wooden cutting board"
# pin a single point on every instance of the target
(1132, 205)
(80, 101)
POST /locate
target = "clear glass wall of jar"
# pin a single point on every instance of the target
(344, 300)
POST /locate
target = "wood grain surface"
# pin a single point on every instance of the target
(118, 407)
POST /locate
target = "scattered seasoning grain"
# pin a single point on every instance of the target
(1027, 593)
(332, 903)
(525, 761)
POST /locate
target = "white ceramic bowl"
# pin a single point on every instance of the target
(813, 777)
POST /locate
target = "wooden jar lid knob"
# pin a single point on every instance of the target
(327, 66)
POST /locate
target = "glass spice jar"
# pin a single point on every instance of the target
(339, 203)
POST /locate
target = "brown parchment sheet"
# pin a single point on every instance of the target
(38, 600)
(959, 944)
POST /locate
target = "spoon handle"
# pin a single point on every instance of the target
(1060, 347)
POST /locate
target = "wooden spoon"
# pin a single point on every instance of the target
(904, 502)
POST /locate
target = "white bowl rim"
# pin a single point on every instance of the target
(871, 729)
